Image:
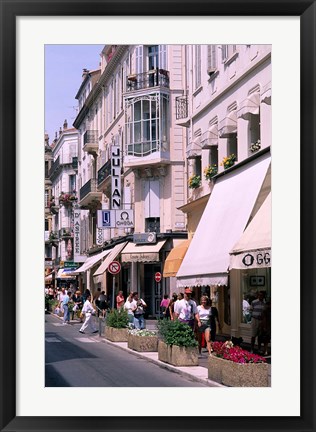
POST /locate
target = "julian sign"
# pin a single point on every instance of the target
(116, 177)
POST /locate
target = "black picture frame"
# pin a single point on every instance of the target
(257, 280)
(9, 11)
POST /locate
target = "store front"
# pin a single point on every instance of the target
(226, 215)
(250, 268)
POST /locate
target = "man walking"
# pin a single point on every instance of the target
(185, 310)
(88, 311)
(65, 308)
(257, 309)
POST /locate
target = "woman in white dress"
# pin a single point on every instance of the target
(204, 325)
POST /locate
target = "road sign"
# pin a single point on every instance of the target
(158, 277)
(114, 267)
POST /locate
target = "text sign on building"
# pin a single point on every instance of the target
(115, 176)
(115, 219)
(77, 237)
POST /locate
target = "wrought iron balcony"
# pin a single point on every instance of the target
(54, 168)
(89, 193)
(90, 141)
(153, 78)
(65, 233)
(104, 172)
(182, 111)
(53, 237)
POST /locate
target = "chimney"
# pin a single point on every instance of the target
(60, 131)
(65, 125)
(85, 72)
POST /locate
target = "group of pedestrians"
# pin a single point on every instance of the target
(135, 307)
(203, 319)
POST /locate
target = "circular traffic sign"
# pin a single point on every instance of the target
(114, 267)
(158, 277)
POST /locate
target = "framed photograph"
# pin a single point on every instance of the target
(257, 281)
(25, 402)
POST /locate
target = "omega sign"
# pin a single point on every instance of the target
(116, 177)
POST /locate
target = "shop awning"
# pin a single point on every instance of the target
(194, 148)
(65, 273)
(253, 249)
(91, 261)
(49, 277)
(251, 105)
(97, 276)
(228, 126)
(142, 253)
(222, 223)
(174, 259)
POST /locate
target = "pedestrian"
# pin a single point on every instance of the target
(164, 306)
(65, 307)
(139, 319)
(266, 327)
(214, 317)
(78, 303)
(88, 311)
(120, 300)
(103, 304)
(85, 295)
(185, 310)
(50, 293)
(96, 300)
(171, 305)
(204, 324)
(130, 305)
(257, 308)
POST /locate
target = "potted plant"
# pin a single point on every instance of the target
(255, 146)
(142, 340)
(116, 327)
(194, 181)
(235, 367)
(177, 344)
(228, 161)
(210, 171)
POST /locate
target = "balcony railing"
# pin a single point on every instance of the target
(54, 166)
(152, 78)
(181, 107)
(90, 186)
(90, 141)
(65, 232)
(104, 172)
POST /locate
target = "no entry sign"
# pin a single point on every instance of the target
(158, 277)
(114, 267)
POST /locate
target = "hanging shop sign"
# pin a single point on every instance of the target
(116, 176)
(77, 237)
(252, 259)
(115, 219)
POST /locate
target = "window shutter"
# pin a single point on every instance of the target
(151, 201)
(211, 58)
(163, 57)
(139, 59)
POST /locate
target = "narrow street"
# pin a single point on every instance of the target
(84, 360)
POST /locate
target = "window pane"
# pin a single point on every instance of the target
(137, 111)
(146, 113)
(137, 132)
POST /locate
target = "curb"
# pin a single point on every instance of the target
(164, 365)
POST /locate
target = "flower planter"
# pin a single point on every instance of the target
(176, 355)
(142, 343)
(234, 374)
(116, 334)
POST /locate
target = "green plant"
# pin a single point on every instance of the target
(210, 171)
(229, 161)
(176, 333)
(255, 146)
(117, 318)
(194, 181)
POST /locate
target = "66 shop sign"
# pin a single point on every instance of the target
(253, 259)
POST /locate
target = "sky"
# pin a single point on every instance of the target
(63, 77)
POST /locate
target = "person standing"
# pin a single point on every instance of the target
(139, 319)
(185, 310)
(171, 305)
(204, 325)
(257, 309)
(77, 300)
(120, 300)
(103, 305)
(65, 307)
(130, 305)
(89, 312)
(214, 318)
(164, 305)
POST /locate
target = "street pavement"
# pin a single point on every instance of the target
(198, 373)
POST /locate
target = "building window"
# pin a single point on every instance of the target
(198, 166)
(46, 198)
(211, 59)
(197, 66)
(146, 130)
(213, 155)
(254, 133)
(152, 225)
(228, 51)
(232, 145)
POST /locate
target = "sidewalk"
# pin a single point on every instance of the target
(195, 373)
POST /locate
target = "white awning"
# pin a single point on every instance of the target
(210, 137)
(253, 249)
(222, 223)
(97, 276)
(142, 253)
(266, 94)
(194, 148)
(249, 106)
(228, 126)
(66, 273)
(91, 261)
